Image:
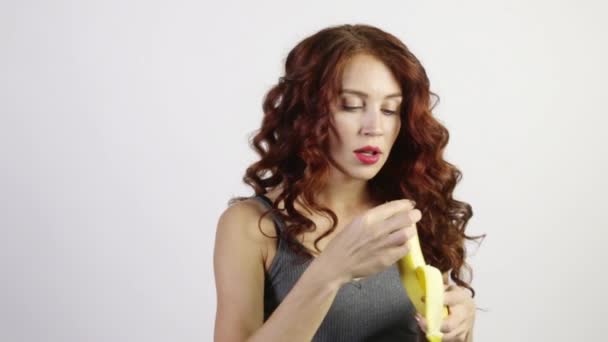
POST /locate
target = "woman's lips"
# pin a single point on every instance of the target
(367, 158)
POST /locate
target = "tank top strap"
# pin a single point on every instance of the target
(279, 224)
(284, 257)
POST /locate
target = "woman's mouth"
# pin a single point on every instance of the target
(368, 157)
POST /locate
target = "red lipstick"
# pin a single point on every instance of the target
(368, 154)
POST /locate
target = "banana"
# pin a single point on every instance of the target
(422, 280)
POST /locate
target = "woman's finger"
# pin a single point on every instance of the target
(455, 295)
(458, 316)
(421, 322)
(456, 335)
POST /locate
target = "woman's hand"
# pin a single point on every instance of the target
(459, 322)
(372, 242)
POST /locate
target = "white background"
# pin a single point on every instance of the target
(124, 131)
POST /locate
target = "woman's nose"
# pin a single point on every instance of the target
(372, 123)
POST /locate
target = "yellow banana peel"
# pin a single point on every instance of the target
(422, 280)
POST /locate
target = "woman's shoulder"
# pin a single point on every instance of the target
(243, 208)
(239, 223)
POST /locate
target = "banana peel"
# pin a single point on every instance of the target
(421, 280)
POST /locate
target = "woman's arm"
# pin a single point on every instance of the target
(239, 274)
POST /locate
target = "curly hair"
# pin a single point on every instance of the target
(293, 144)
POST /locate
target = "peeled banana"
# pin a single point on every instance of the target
(422, 280)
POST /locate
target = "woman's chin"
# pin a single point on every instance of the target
(366, 173)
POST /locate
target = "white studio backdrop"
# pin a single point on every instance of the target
(124, 131)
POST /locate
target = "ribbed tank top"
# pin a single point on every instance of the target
(375, 308)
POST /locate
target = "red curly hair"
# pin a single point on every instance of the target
(293, 144)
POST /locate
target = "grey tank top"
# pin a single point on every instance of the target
(375, 308)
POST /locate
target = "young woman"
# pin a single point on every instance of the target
(351, 168)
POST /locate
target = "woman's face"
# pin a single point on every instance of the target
(366, 113)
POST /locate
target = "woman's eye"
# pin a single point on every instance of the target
(350, 108)
(353, 108)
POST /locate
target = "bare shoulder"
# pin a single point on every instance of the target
(245, 214)
(239, 225)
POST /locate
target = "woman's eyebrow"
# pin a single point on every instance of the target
(364, 95)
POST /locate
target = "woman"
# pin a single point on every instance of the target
(351, 168)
